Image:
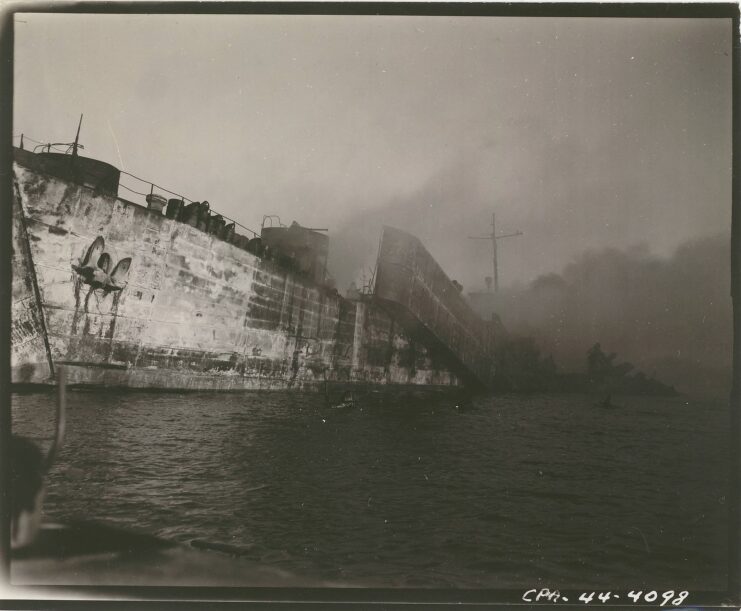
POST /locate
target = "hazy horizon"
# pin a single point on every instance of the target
(670, 317)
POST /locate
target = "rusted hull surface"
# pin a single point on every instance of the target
(194, 312)
(409, 279)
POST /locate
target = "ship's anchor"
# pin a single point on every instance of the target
(95, 267)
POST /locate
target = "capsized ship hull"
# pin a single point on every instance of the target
(192, 311)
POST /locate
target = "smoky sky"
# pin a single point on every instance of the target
(668, 316)
(582, 133)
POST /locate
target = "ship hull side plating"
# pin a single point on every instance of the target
(29, 355)
(412, 285)
(194, 313)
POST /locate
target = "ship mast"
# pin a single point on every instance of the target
(494, 237)
(77, 139)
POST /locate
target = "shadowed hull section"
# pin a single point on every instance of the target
(414, 287)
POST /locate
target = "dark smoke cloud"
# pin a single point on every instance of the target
(442, 212)
(670, 317)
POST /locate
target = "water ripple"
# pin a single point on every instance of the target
(514, 492)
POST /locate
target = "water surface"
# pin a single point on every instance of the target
(512, 492)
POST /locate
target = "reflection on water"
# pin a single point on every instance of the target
(512, 492)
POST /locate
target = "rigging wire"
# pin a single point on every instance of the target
(148, 182)
(120, 184)
(27, 138)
